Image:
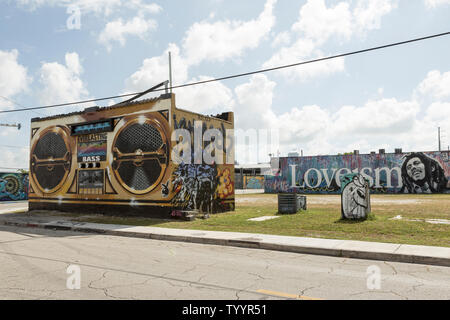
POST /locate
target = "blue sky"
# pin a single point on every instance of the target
(386, 99)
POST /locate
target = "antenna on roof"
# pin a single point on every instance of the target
(170, 71)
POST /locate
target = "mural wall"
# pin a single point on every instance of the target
(253, 182)
(420, 172)
(13, 186)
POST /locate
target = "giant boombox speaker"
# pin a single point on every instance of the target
(112, 159)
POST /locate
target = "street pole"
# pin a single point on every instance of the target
(439, 138)
(170, 71)
(18, 126)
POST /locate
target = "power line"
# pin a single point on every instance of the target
(16, 103)
(240, 74)
(16, 147)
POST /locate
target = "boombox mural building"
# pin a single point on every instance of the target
(417, 172)
(132, 158)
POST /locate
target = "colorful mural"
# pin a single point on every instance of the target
(420, 172)
(13, 186)
(202, 187)
(253, 182)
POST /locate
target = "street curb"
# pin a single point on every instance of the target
(201, 237)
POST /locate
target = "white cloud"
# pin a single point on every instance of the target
(62, 83)
(253, 112)
(303, 50)
(211, 98)
(105, 7)
(118, 30)
(436, 85)
(254, 109)
(156, 70)
(319, 22)
(299, 51)
(316, 25)
(226, 39)
(384, 123)
(368, 13)
(151, 8)
(13, 76)
(385, 116)
(436, 3)
(301, 125)
(439, 112)
(282, 38)
(17, 158)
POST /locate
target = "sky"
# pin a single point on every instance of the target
(58, 51)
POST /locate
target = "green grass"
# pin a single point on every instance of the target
(323, 220)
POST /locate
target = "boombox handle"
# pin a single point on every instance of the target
(165, 83)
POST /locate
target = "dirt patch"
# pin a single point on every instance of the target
(323, 199)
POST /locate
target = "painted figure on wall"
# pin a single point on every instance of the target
(421, 174)
(355, 197)
(194, 186)
(201, 187)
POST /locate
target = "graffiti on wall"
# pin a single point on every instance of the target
(13, 186)
(355, 199)
(426, 172)
(201, 187)
(253, 182)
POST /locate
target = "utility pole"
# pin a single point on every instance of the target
(439, 138)
(170, 71)
(18, 126)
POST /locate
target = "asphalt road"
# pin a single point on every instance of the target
(34, 265)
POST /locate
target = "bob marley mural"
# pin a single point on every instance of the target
(124, 159)
(422, 174)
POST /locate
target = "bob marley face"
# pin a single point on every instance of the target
(415, 169)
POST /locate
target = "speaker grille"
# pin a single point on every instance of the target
(139, 136)
(50, 145)
(50, 160)
(140, 156)
(140, 178)
(50, 177)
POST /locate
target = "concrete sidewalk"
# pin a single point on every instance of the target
(439, 256)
